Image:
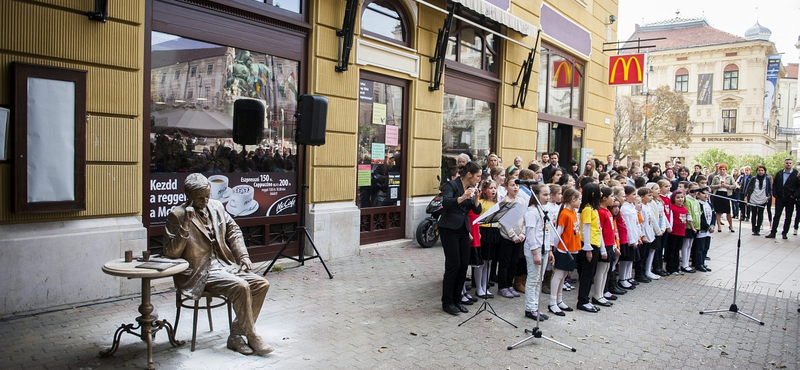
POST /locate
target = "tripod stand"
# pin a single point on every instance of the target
(486, 306)
(300, 231)
(535, 332)
(734, 308)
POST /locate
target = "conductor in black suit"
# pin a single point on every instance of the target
(459, 196)
(786, 190)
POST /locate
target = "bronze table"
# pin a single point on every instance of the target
(148, 324)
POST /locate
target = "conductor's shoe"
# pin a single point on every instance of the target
(451, 309)
(770, 236)
(461, 307)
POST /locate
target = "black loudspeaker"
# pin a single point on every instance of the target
(248, 121)
(312, 112)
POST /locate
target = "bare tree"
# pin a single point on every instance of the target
(628, 127)
(665, 116)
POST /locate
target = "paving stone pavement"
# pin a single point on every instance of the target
(382, 311)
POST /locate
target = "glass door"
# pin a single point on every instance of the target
(380, 188)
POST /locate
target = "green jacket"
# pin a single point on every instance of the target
(694, 209)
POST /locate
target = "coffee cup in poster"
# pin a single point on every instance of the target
(219, 187)
(242, 203)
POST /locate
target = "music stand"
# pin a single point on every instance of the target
(486, 306)
(734, 308)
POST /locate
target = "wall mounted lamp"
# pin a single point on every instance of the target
(100, 12)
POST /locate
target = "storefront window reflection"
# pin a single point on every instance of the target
(467, 128)
(191, 125)
(191, 117)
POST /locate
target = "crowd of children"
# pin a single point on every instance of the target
(615, 232)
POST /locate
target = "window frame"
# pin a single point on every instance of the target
(455, 38)
(404, 21)
(730, 81)
(682, 80)
(577, 64)
(730, 116)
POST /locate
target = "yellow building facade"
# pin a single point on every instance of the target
(163, 76)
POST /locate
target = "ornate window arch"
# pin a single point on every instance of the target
(386, 20)
(682, 80)
(730, 77)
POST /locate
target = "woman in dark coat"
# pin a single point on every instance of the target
(459, 196)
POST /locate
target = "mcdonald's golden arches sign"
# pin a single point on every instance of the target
(626, 69)
(564, 76)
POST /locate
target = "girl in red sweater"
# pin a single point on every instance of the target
(675, 239)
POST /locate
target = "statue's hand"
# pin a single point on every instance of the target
(189, 213)
(245, 264)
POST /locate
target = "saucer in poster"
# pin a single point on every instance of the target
(236, 212)
(226, 196)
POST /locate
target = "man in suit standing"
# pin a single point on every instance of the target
(203, 233)
(548, 171)
(786, 190)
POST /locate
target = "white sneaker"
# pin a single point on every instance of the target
(795, 232)
(652, 276)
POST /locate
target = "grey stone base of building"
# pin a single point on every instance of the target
(49, 264)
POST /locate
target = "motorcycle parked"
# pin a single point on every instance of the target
(428, 230)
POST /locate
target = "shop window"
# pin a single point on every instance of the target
(380, 144)
(560, 85)
(729, 121)
(730, 79)
(682, 80)
(194, 133)
(385, 19)
(466, 128)
(472, 46)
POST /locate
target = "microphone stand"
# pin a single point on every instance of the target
(734, 308)
(535, 332)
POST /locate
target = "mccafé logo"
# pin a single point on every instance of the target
(626, 69)
(563, 76)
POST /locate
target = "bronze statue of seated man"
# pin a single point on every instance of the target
(203, 233)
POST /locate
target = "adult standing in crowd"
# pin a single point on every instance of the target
(459, 196)
(723, 186)
(743, 181)
(786, 190)
(548, 171)
(698, 170)
(759, 193)
(683, 175)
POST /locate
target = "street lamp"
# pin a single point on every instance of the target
(646, 98)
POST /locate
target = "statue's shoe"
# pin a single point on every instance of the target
(258, 345)
(238, 344)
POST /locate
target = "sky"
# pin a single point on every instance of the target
(782, 17)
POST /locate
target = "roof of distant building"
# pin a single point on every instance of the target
(758, 32)
(791, 70)
(681, 33)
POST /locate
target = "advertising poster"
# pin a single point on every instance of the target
(392, 133)
(365, 91)
(773, 68)
(378, 153)
(378, 114)
(253, 194)
(705, 87)
(364, 175)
